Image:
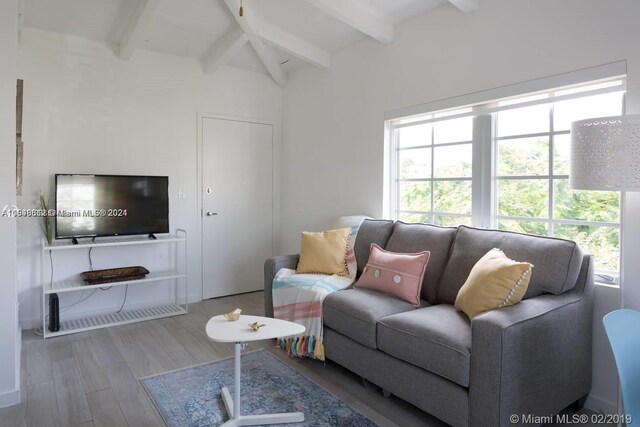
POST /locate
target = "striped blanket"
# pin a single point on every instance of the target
(298, 298)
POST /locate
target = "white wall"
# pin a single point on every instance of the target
(86, 111)
(9, 331)
(335, 116)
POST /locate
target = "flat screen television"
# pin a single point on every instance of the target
(111, 205)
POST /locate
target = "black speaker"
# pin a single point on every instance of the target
(54, 313)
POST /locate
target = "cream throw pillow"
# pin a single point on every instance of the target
(495, 281)
(324, 252)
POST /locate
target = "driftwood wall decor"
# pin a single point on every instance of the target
(19, 143)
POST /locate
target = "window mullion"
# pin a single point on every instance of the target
(550, 228)
(481, 172)
(395, 175)
(433, 169)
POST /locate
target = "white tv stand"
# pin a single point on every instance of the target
(126, 316)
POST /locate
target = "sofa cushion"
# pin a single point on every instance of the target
(355, 313)
(494, 282)
(557, 261)
(394, 273)
(423, 237)
(371, 231)
(436, 338)
(324, 252)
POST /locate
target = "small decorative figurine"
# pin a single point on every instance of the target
(256, 326)
(234, 315)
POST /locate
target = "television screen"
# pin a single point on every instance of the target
(111, 205)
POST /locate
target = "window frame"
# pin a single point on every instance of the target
(551, 176)
(484, 179)
(432, 180)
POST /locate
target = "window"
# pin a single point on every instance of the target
(531, 167)
(505, 164)
(434, 172)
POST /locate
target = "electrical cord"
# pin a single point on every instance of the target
(38, 329)
(70, 306)
(91, 266)
(126, 290)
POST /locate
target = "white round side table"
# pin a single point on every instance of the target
(221, 330)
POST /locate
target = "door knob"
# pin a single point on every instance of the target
(209, 213)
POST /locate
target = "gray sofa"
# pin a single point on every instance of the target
(531, 358)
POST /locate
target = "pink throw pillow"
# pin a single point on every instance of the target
(396, 274)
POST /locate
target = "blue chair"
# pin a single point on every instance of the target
(623, 330)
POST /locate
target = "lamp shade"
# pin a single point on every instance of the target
(605, 154)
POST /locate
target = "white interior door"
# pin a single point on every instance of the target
(237, 205)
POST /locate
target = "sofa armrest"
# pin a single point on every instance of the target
(271, 267)
(533, 357)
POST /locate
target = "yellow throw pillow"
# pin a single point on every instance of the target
(495, 281)
(324, 252)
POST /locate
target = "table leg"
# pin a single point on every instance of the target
(236, 376)
(233, 406)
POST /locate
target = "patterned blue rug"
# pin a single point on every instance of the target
(191, 397)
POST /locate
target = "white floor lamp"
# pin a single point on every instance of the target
(605, 155)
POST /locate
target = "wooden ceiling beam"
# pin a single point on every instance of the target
(466, 6)
(223, 50)
(355, 14)
(134, 33)
(249, 31)
(293, 45)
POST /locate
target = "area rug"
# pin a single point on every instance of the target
(191, 396)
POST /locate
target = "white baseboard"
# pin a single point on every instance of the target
(601, 405)
(9, 398)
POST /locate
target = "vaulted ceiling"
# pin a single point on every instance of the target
(272, 36)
